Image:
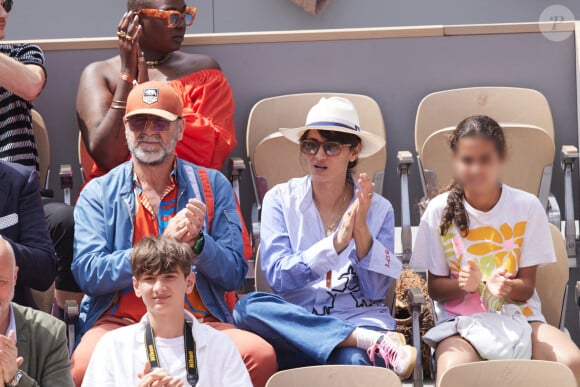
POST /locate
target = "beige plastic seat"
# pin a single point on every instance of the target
(335, 376)
(521, 171)
(42, 146)
(440, 112)
(277, 159)
(509, 373)
(552, 282)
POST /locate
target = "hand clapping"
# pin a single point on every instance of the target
(500, 283)
(469, 277)
(157, 378)
(9, 359)
(187, 224)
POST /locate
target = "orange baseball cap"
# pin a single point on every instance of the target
(154, 98)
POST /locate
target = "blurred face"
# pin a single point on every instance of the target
(163, 293)
(8, 275)
(151, 139)
(157, 36)
(3, 18)
(325, 168)
(477, 164)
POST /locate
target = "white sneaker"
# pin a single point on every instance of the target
(397, 356)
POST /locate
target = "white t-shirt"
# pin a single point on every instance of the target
(513, 234)
(120, 356)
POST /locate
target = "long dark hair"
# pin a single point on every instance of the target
(344, 138)
(474, 126)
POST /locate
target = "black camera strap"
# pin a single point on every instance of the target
(189, 346)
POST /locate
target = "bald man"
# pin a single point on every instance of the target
(33, 349)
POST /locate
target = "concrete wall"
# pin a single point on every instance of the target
(35, 19)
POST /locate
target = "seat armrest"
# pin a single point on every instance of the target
(404, 162)
(236, 167)
(578, 293)
(66, 181)
(416, 297)
(569, 155)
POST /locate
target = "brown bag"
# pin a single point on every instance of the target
(409, 279)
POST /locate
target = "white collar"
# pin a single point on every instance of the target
(11, 323)
(189, 318)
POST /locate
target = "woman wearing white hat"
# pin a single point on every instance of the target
(326, 250)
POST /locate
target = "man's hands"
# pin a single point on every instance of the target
(157, 378)
(9, 359)
(187, 224)
(469, 277)
(500, 283)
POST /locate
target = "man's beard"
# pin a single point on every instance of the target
(153, 158)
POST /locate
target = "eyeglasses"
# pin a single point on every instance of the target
(173, 17)
(138, 124)
(331, 148)
(7, 5)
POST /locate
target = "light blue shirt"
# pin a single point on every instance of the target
(11, 324)
(296, 255)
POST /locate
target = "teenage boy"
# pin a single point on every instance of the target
(168, 347)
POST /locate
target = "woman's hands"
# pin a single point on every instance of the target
(354, 221)
(129, 32)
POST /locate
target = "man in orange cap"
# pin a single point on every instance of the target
(157, 193)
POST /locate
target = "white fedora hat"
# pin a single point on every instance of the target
(336, 114)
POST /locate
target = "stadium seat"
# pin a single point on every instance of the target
(509, 373)
(335, 376)
(527, 119)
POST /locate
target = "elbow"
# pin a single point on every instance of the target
(34, 89)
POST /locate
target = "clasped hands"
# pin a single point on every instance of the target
(186, 225)
(157, 377)
(354, 220)
(9, 359)
(499, 283)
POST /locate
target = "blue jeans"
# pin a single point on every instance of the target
(299, 337)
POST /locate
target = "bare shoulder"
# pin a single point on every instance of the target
(101, 70)
(196, 62)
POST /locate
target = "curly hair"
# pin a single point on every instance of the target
(134, 5)
(474, 126)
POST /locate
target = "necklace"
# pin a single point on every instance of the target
(330, 228)
(158, 62)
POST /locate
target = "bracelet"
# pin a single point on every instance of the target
(127, 78)
(119, 105)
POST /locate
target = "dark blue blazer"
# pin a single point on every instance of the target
(23, 225)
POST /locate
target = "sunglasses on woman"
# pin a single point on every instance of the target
(331, 148)
(138, 124)
(7, 5)
(173, 17)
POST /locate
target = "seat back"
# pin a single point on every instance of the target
(86, 161)
(277, 159)
(447, 108)
(509, 373)
(552, 281)
(521, 171)
(335, 376)
(42, 146)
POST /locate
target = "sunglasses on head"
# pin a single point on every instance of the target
(331, 148)
(7, 5)
(173, 17)
(139, 123)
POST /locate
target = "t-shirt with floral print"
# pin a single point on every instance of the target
(513, 234)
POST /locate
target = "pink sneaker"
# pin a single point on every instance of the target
(397, 356)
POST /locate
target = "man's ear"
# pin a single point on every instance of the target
(180, 128)
(189, 283)
(136, 287)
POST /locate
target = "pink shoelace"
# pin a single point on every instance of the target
(387, 350)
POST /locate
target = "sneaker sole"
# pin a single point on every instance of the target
(411, 366)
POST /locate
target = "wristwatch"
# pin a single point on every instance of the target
(198, 246)
(16, 380)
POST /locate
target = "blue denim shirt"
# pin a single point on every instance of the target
(104, 217)
(296, 255)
